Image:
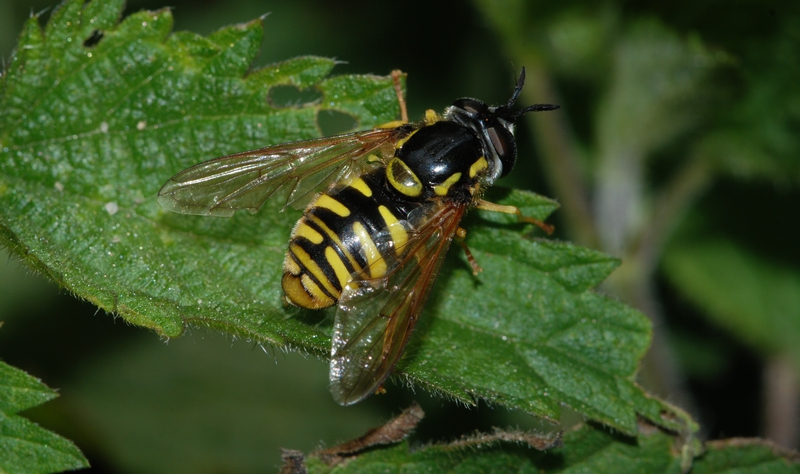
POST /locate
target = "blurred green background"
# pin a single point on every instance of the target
(677, 149)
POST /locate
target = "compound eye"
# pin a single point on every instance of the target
(473, 106)
(499, 142)
(505, 146)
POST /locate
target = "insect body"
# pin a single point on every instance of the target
(385, 205)
(365, 224)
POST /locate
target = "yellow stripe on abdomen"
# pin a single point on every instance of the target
(375, 262)
(335, 239)
(396, 229)
(326, 202)
(314, 270)
(300, 290)
(302, 229)
(342, 274)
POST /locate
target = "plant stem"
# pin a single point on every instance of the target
(670, 207)
(781, 401)
(634, 283)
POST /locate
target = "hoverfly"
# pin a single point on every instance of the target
(385, 205)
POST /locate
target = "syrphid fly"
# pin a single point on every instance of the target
(382, 207)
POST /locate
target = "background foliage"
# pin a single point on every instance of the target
(676, 150)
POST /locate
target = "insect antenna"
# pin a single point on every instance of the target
(535, 108)
(531, 108)
(517, 89)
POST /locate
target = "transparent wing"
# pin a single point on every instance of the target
(294, 171)
(375, 316)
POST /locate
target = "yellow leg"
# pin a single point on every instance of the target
(461, 234)
(398, 88)
(490, 206)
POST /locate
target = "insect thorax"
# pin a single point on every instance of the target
(441, 160)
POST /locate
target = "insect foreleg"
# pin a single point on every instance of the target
(490, 206)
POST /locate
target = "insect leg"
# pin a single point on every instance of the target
(490, 206)
(398, 88)
(461, 234)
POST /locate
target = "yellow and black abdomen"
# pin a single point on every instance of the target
(352, 231)
(340, 235)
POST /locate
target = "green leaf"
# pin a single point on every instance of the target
(741, 455)
(658, 91)
(19, 391)
(757, 299)
(25, 446)
(93, 130)
(576, 268)
(759, 137)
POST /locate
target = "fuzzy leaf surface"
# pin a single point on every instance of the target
(585, 449)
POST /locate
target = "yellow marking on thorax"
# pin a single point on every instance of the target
(443, 188)
(396, 229)
(312, 267)
(375, 262)
(392, 124)
(477, 167)
(362, 187)
(307, 232)
(335, 238)
(431, 117)
(401, 178)
(327, 202)
(338, 266)
(399, 143)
